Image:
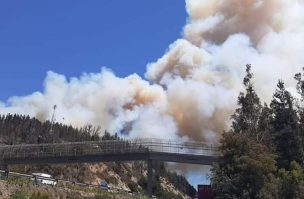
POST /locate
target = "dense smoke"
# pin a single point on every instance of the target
(191, 91)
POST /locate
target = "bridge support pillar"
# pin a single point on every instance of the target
(150, 178)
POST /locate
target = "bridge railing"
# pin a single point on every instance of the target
(171, 146)
(106, 147)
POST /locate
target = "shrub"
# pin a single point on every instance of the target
(132, 186)
(39, 195)
(19, 195)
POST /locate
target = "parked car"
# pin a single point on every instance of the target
(104, 185)
(43, 178)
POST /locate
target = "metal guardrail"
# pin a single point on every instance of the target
(61, 182)
(7, 174)
(107, 147)
(32, 178)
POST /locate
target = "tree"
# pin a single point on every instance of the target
(285, 127)
(300, 83)
(265, 127)
(291, 182)
(244, 168)
(300, 88)
(245, 120)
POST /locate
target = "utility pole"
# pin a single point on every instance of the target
(53, 115)
(52, 122)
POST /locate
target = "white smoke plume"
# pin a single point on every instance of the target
(191, 91)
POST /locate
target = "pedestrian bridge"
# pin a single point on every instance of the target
(110, 150)
(149, 150)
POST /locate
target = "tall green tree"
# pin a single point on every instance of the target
(244, 169)
(285, 132)
(245, 120)
(265, 127)
(299, 77)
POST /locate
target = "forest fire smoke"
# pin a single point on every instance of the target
(191, 91)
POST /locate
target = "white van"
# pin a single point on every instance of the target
(43, 178)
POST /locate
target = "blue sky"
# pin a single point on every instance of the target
(75, 36)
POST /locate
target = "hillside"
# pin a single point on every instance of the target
(16, 189)
(127, 176)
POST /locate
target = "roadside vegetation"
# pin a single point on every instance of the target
(46, 195)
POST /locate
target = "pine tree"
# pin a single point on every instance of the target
(264, 127)
(300, 107)
(285, 127)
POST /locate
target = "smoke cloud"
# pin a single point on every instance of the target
(191, 91)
